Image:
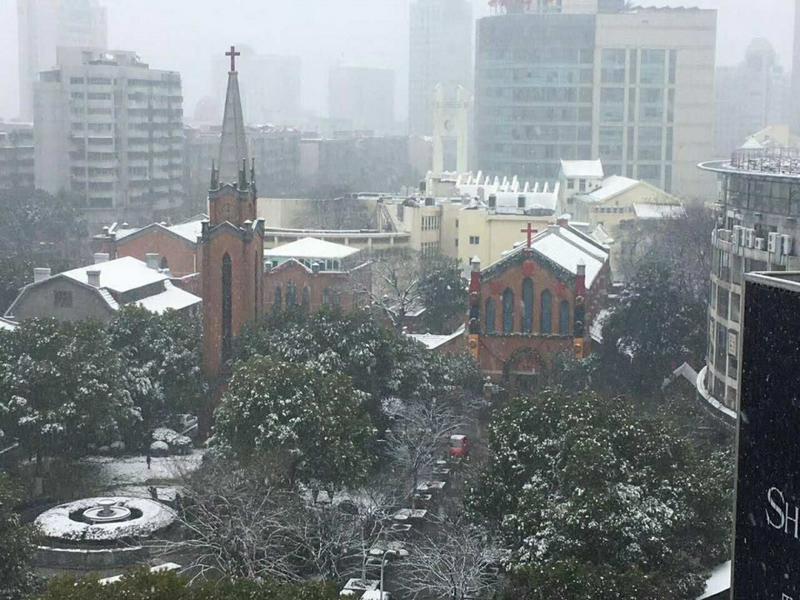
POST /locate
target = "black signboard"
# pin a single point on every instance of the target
(766, 561)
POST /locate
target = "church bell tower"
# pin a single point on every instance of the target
(232, 241)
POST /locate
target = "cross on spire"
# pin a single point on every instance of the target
(530, 231)
(233, 54)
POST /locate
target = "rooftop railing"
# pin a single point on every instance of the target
(767, 160)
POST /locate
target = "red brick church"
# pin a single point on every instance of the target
(231, 245)
(537, 302)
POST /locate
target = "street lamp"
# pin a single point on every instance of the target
(387, 553)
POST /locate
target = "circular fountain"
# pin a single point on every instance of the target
(100, 532)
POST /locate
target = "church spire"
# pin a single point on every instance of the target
(233, 143)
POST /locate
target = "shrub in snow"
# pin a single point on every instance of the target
(118, 447)
(159, 449)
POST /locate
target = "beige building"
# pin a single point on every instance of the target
(612, 210)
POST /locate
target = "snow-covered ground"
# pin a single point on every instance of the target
(132, 470)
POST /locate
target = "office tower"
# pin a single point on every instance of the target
(582, 80)
(109, 128)
(440, 52)
(16, 155)
(362, 98)
(749, 97)
(44, 26)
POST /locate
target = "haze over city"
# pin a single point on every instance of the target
(179, 35)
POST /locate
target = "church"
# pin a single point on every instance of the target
(536, 302)
(231, 243)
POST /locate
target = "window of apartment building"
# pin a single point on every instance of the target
(652, 67)
(474, 240)
(613, 66)
(76, 80)
(62, 299)
(722, 302)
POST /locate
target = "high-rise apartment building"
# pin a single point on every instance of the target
(440, 52)
(16, 156)
(758, 213)
(46, 25)
(272, 90)
(362, 98)
(109, 128)
(585, 79)
(749, 97)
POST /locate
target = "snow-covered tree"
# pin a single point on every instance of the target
(657, 325)
(16, 546)
(307, 419)
(443, 292)
(162, 359)
(580, 487)
(63, 388)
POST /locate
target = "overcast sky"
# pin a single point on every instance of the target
(183, 35)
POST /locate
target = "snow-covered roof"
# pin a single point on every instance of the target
(309, 248)
(720, 581)
(120, 275)
(567, 249)
(588, 169)
(508, 191)
(659, 211)
(171, 298)
(189, 230)
(611, 186)
(6, 325)
(432, 342)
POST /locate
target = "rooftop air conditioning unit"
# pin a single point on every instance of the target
(773, 246)
(786, 244)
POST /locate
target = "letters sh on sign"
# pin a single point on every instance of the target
(766, 559)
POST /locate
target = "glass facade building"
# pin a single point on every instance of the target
(757, 230)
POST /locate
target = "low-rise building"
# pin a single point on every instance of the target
(312, 274)
(537, 302)
(176, 245)
(98, 291)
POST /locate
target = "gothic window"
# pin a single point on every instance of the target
(491, 326)
(278, 302)
(291, 295)
(508, 311)
(326, 297)
(306, 302)
(563, 318)
(547, 312)
(227, 307)
(527, 300)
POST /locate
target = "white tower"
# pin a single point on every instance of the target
(451, 131)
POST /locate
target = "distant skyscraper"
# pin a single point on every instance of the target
(110, 129)
(440, 44)
(272, 92)
(362, 98)
(580, 80)
(45, 25)
(749, 97)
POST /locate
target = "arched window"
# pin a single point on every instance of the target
(227, 307)
(306, 302)
(291, 295)
(326, 297)
(277, 304)
(491, 325)
(164, 263)
(547, 312)
(563, 318)
(508, 311)
(527, 300)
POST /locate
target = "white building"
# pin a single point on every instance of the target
(109, 129)
(441, 33)
(44, 26)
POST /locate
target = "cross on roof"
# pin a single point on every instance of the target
(530, 231)
(233, 54)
